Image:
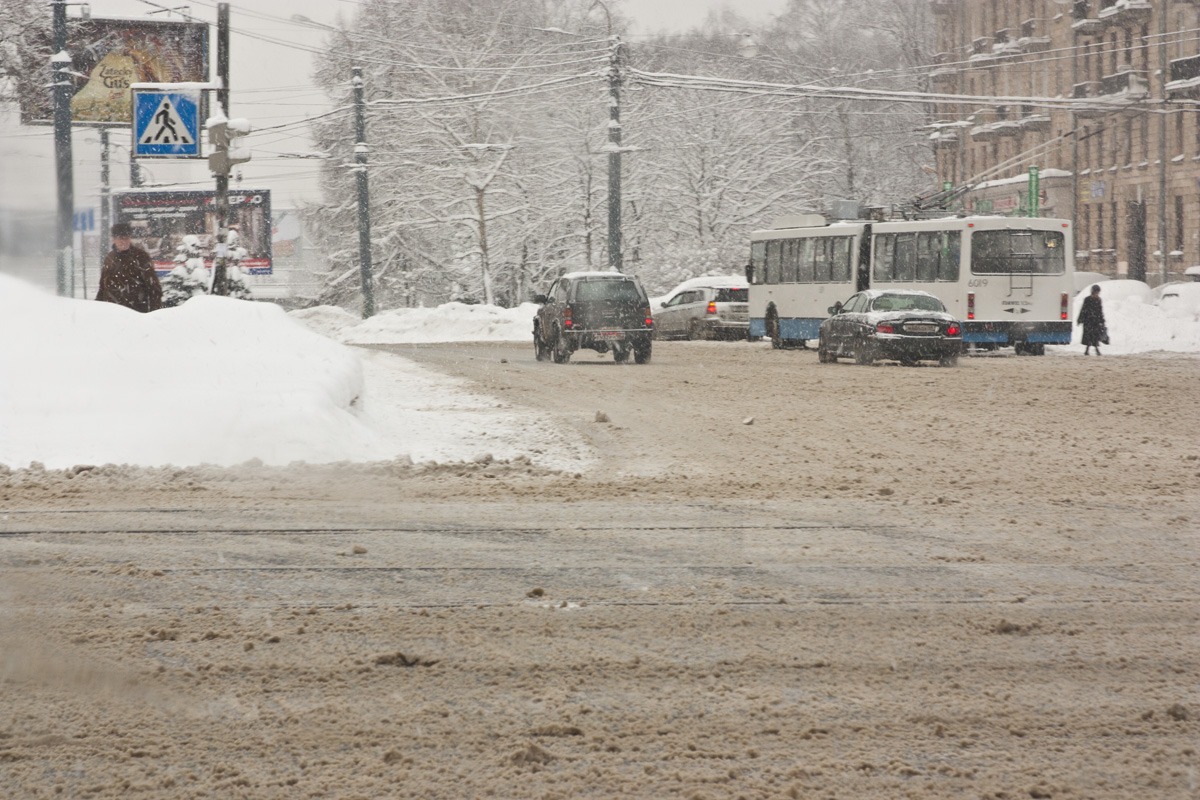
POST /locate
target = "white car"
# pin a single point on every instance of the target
(704, 308)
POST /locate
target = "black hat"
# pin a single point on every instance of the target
(122, 229)
(1096, 289)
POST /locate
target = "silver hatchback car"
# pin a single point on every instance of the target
(719, 311)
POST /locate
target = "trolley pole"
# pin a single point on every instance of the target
(364, 197)
(60, 65)
(222, 199)
(614, 154)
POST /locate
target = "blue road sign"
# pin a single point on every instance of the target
(166, 124)
(85, 220)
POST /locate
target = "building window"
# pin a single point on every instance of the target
(1099, 240)
(1086, 227)
(1145, 137)
(1178, 242)
(1179, 133)
(1128, 143)
(1113, 233)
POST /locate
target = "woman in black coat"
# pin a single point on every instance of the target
(1091, 317)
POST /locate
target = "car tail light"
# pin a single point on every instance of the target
(970, 305)
(649, 318)
(953, 330)
(1062, 307)
(712, 307)
(885, 327)
(566, 316)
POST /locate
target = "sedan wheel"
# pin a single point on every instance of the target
(864, 353)
(949, 361)
(824, 354)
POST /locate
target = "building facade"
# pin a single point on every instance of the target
(1100, 96)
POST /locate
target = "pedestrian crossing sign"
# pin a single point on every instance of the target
(166, 124)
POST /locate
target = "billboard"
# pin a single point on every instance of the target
(161, 219)
(109, 54)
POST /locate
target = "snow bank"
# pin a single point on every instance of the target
(1137, 325)
(452, 322)
(215, 381)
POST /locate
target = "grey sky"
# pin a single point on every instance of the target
(270, 86)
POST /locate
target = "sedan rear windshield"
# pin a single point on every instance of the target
(907, 302)
(1006, 252)
(613, 291)
(733, 296)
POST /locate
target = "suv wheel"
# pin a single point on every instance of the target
(562, 350)
(695, 331)
(541, 350)
(641, 351)
(620, 353)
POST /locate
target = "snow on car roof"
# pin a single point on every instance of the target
(598, 274)
(906, 292)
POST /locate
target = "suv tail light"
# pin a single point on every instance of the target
(970, 305)
(885, 327)
(649, 318)
(1062, 306)
(712, 307)
(566, 316)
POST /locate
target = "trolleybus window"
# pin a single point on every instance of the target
(804, 260)
(774, 251)
(926, 257)
(788, 272)
(758, 261)
(1003, 252)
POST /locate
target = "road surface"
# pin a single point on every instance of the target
(773, 579)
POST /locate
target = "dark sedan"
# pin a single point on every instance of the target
(904, 326)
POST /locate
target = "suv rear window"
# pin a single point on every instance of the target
(614, 291)
(733, 296)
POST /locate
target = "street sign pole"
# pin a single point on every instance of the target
(60, 63)
(222, 201)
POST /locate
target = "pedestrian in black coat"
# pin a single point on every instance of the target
(127, 277)
(1091, 317)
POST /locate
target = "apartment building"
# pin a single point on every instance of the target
(1101, 96)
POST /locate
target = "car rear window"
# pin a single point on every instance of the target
(614, 291)
(733, 296)
(907, 302)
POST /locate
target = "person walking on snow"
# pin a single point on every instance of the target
(127, 277)
(1091, 317)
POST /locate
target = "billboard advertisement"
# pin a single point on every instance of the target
(161, 219)
(107, 55)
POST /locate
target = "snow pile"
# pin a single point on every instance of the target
(452, 322)
(222, 381)
(1137, 325)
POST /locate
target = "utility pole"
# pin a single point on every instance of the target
(60, 65)
(104, 190)
(1162, 142)
(222, 200)
(614, 154)
(364, 199)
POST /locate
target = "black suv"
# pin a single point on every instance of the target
(602, 311)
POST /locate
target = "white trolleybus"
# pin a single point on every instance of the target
(1009, 279)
